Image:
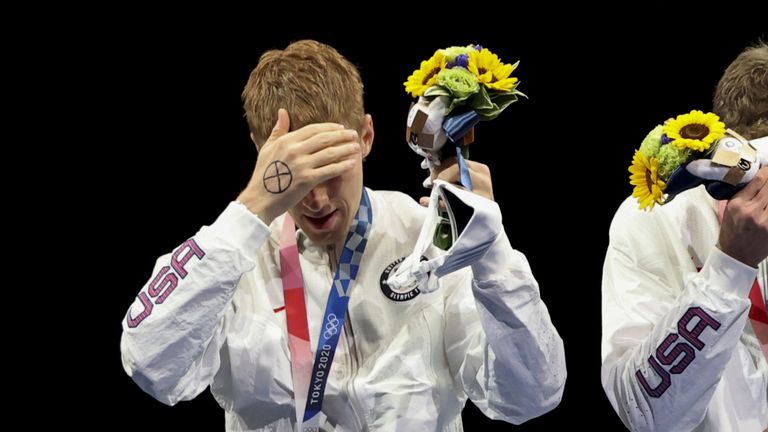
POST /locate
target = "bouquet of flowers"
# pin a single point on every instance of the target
(456, 88)
(689, 150)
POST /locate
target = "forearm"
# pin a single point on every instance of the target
(526, 351)
(665, 380)
(180, 312)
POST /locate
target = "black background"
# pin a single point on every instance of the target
(163, 117)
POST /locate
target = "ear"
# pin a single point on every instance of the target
(366, 137)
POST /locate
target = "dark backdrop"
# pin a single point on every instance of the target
(166, 122)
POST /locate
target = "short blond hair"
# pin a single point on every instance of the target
(309, 79)
(741, 97)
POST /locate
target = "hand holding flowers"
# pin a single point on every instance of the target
(689, 150)
(457, 87)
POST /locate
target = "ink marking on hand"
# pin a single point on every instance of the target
(277, 177)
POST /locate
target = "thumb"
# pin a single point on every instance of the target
(282, 126)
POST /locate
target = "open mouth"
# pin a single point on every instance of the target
(323, 222)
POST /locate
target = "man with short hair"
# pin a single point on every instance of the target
(683, 313)
(243, 304)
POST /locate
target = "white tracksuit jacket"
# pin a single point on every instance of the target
(659, 312)
(213, 315)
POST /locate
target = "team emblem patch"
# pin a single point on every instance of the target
(397, 295)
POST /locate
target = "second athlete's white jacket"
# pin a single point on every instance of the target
(213, 314)
(678, 351)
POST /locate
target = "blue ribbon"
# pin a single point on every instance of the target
(455, 128)
(336, 309)
(466, 180)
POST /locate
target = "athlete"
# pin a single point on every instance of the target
(684, 289)
(298, 329)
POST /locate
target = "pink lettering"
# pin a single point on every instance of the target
(188, 248)
(165, 282)
(134, 322)
(692, 336)
(167, 285)
(663, 384)
(681, 350)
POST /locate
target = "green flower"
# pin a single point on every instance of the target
(452, 52)
(650, 146)
(670, 157)
(460, 82)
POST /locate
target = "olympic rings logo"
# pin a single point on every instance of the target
(331, 326)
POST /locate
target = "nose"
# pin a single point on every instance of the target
(317, 198)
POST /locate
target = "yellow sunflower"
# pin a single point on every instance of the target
(695, 130)
(490, 71)
(426, 76)
(649, 188)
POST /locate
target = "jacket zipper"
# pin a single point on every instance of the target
(349, 336)
(349, 333)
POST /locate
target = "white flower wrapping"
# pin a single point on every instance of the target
(732, 163)
(426, 134)
(708, 169)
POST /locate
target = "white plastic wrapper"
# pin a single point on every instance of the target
(710, 170)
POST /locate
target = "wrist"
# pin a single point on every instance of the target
(742, 258)
(726, 272)
(256, 206)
